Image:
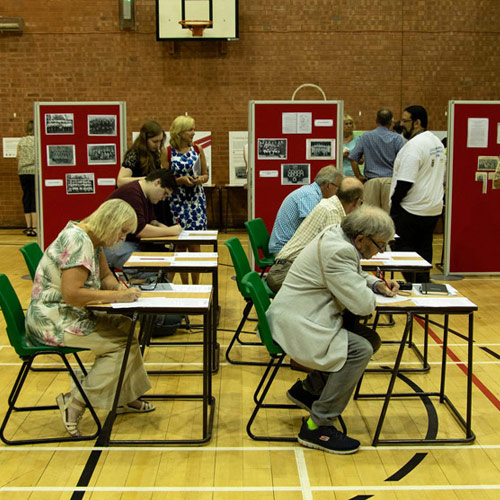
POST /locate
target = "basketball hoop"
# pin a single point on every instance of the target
(196, 26)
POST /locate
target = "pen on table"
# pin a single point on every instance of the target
(123, 282)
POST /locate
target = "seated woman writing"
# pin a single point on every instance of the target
(72, 274)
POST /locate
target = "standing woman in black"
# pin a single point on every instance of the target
(141, 158)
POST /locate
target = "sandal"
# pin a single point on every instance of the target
(64, 403)
(26, 230)
(31, 232)
(145, 407)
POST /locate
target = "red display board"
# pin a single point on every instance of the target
(79, 152)
(472, 235)
(278, 152)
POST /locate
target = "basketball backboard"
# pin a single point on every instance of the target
(173, 16)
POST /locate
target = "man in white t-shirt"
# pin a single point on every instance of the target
(417, 187)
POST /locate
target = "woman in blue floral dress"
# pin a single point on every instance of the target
(187, 160)
(73, 273)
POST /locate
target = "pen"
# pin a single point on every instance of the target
(380, 275)
(123, 282)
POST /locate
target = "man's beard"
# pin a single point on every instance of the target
(407, 134)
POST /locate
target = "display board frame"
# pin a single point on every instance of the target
(267, 121)
(79, 148)
(472, 217)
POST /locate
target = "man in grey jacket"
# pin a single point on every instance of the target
(311, 318)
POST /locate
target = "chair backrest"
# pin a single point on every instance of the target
(32, 254)
(13, 314)
(261, 302)
(240, 263)
(259, 241)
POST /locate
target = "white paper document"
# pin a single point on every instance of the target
(208, 235)
(149, 258)
(477, 132)
(197, 255)
(195, 263)
(382, 299)
(161, 302)
(442, 301)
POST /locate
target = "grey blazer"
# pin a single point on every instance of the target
(306, 315)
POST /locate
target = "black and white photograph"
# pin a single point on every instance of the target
(59, 124)
(487, 163)
(102, 124)
(320, 149)
(80, 183)
(61, 156)
(272, 149)
(101, 154)
(295, 174)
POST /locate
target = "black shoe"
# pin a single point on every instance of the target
(327, 438)
(300, 396)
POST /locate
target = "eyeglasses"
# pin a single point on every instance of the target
(380, 247)
(405, 121)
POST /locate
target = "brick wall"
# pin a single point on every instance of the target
(369, 53)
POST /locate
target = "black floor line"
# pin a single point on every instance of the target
(491, 352)
(361, 497)
(86, 474)
(407, 467)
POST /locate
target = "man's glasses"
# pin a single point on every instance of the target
(380, 247)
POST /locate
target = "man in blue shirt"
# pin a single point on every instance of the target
(380, 148)
(299, 203)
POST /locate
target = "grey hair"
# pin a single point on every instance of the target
(368, 221)
(328, 174)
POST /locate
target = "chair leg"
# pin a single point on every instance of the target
(272, 369)
(14, 395)
(236, 337)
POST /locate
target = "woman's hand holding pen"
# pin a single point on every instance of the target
(128, 294)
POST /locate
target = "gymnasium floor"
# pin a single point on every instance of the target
(232, 466)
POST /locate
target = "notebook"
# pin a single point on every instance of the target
(433, 289)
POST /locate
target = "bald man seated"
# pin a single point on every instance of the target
(327, 212)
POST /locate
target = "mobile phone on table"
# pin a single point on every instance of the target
(147, 287)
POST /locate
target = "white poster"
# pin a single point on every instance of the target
(10, 146)
(477, 132)
(237, 166)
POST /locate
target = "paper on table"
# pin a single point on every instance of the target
(191, 288)
(195, 263)
(150, 258)
(161, 302)
(195, 254)
(382, 299)
(410, 255)
(442, 302)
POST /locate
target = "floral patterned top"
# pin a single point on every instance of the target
(48, 316)
(188, 204)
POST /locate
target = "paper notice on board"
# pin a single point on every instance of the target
(289, 123)
(498, 133)
(477, 132)
(10, 146)
(304, 123)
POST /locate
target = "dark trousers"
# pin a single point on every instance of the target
(28, 187)
(415, 235)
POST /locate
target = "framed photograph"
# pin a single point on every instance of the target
(295, 174)
(320, 149)
(101, 124)
(59, 124)
(272, 149)
(487, 163)
(61, 156)
(80, 183)
(101, 154)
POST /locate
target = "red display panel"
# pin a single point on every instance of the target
(473, 216)
(79, 153)
(268, 123)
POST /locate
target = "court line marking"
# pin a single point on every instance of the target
(214, 449)
(305, 484)
(126, 489)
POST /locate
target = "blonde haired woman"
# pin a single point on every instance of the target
(72, 274)
(350, 141)
(187, 160)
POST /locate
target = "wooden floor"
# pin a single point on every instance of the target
(232, 466)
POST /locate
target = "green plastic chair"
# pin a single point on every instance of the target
(261, 301)
(259, 241)
(14, 317)
(242, 268)
(32, 254)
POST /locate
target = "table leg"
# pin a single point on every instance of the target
(395, 371)
(105, 435)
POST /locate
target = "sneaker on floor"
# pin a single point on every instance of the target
(327, 438)
(302, 398)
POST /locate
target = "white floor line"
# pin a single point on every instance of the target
(305, 485)
(153, 489)
(215, 449)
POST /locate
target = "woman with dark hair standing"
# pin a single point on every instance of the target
(143, 157)
(26, 171)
